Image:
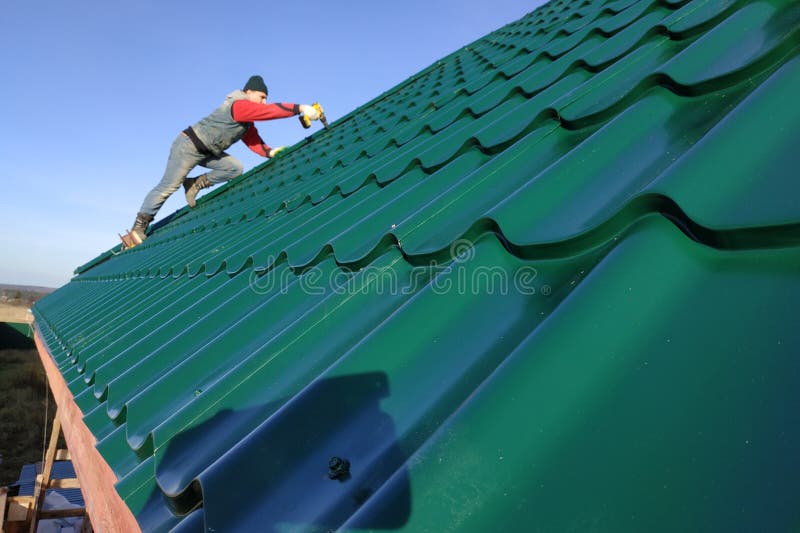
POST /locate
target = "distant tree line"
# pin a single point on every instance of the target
(21, 297)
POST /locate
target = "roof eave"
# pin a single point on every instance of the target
(107, 511)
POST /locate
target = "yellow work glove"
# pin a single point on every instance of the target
(275, 151)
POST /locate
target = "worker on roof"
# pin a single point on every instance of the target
(204, 144)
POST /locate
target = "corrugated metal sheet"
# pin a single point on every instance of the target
(548, 283)
(61, 470)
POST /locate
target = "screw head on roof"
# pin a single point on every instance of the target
(338, 468)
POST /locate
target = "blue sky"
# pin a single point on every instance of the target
(93, 94)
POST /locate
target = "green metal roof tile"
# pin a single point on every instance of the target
(625, 420)
(395, 216)
(630, 16)
(565, 63)
(616, 86)
(614, 7)
(480, 102)
(625, 39)
(756, 187)
(127, 463)
(182, 301)
(698, 16)
(516, 62)
(581, 191)
(753, 37)
(471, 354)
(567, 42)
(449, 215)
(247, 333)
(529, 113)
(400, 160)
(607, 176)
(292, 358)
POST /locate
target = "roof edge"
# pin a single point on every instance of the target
(107, 511)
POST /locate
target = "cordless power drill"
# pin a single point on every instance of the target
(306, 122)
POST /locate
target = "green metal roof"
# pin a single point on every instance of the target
(20, 327)
(547, 283)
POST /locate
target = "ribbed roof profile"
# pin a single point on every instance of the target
(60, 470)
(547, 283)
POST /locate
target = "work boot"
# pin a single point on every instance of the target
(192, 186)
(138, 232)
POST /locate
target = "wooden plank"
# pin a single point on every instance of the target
(69, 483)
(63, 455)
(16, 527)
(21, 500)
(18, 508)
(61, 513)
(3, 501)
(43, 480)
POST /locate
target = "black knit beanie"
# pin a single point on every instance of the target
(256, 83)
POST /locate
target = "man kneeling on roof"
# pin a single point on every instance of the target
(204, 144)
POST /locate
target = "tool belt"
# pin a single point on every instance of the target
(198, 144)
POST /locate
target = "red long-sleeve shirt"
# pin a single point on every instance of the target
(247, 111)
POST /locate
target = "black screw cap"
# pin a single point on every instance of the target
(338, 468)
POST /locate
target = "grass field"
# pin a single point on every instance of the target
(22, 403)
